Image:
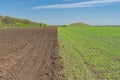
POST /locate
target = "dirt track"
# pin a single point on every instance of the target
(29, 54)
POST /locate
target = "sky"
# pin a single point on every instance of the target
(60, 12)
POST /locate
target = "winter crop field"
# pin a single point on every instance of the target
(90, 53)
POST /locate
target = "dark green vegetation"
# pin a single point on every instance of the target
(90, 53)
(6, 21)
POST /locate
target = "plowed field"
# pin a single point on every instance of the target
(29, 54)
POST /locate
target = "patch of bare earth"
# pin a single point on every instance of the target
(29, 54)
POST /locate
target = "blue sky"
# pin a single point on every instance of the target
(94, 12)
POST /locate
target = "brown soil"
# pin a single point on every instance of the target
(29, 54)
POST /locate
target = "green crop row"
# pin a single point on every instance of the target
(90, 53)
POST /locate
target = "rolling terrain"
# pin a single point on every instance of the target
(63, 53)
(10, 22)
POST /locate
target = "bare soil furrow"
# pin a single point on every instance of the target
(29, 54)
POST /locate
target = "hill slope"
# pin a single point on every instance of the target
(6, 21)
(79, 25)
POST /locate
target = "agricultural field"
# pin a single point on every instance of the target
(90, 53)
(63, 53)
(29, 54)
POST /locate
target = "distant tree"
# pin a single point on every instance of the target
(64, 25)
(42, 25)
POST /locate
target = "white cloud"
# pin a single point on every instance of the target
(79, 4)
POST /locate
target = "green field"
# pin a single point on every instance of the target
(90, 53)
